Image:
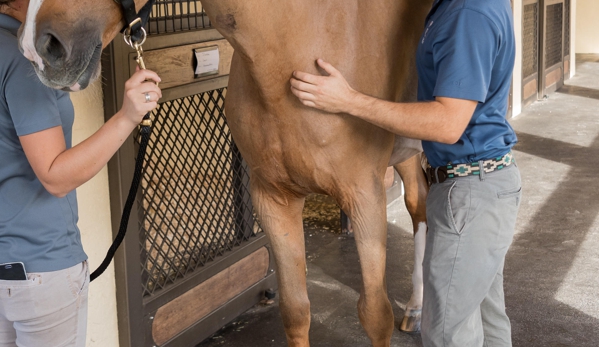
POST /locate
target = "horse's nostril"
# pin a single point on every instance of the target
(55, 48)
(51, 49)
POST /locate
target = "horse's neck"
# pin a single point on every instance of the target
(355, 35)
(247, 23)
(296, 26)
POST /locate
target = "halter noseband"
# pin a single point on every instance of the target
(134, 29)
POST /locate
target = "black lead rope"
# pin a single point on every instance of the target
(135, 36)
(145, 132)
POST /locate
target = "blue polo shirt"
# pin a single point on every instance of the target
(467, 51)
(36, 228)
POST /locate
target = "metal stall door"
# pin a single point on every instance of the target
(194, 257)
(530, 51)
(552, 47)
(546, 26)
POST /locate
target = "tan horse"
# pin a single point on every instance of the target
(291, 150)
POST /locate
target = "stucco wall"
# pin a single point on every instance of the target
(94, 222)
(517, 77)
(574, 33)
(587, 26)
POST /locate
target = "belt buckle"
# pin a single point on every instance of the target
(429, 175)
(436, 175)
(441, 174)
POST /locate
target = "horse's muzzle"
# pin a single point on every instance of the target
(70, 58)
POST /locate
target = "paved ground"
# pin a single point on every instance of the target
(552, 269)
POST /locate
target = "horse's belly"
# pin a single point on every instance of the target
(302, 150)
(295, 147)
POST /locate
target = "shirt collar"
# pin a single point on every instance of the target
(9, 23)
(434, 8)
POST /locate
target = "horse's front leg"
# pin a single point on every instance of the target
(416, 188)
(367, 211)
(281, 218)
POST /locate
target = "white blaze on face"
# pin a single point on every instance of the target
(28, 35)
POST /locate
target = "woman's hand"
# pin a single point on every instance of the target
(136, 104)
(328, 93)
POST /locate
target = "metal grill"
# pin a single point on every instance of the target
(195, 202)
(169, 16)
(567, 28)
(530, 40)
(554, 39)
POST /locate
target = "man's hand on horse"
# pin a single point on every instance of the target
(329, 93)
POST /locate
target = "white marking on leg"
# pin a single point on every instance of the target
(417, 276)
(28, 36)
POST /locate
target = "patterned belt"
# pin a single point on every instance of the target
(442, 173)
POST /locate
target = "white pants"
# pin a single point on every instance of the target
(47, 310)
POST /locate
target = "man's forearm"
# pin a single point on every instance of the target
(431, 121)
(443, 120)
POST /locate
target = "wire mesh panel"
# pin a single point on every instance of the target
(195, 202)
(169, 16)
(530, 40)
(554, 39)
(567, 28)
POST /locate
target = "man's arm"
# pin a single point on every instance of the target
(443, 120)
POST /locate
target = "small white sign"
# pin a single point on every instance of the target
(208, 60)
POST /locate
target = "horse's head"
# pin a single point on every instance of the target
(64, 39)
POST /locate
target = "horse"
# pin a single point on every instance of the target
(291, 150)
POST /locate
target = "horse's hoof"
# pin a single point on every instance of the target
(411, 322)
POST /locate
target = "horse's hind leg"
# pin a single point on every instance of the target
(416, 187)
(367, 211)
(281, 218)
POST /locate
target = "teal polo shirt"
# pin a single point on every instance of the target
(36, 228)
(467, 51)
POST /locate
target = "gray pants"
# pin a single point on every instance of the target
(47, 310)
(471, 226)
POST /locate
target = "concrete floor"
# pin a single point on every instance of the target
(552, 269)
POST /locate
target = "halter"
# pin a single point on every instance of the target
(134, 31)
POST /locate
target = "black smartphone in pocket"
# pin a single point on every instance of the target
(13, 272)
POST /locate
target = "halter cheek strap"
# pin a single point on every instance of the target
(135, 21)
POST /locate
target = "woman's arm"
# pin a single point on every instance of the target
(61, 170)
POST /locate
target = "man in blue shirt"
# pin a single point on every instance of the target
(465, 60)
